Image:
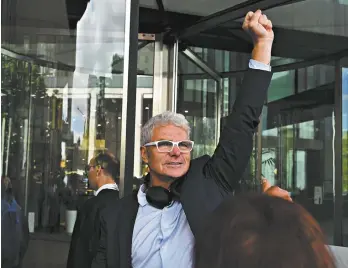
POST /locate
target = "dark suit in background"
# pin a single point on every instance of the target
(85, 239)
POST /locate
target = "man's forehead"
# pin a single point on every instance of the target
(169, 131)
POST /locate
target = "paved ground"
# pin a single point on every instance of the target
(51, 250)
(47, 251)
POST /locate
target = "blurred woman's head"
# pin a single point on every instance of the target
(6, 188)
(260, 231)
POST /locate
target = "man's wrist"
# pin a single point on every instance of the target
(262, 52)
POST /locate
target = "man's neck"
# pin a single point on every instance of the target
(106, 181)
(161, 181)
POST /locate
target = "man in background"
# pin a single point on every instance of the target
(103, 170)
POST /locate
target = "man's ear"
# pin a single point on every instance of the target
(98, 169)
(144, 155)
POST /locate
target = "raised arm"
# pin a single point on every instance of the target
(233, 152)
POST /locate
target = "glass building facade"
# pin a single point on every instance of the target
(81, 77)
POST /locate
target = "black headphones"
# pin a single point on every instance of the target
(159, 197)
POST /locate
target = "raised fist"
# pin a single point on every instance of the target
(259, 27)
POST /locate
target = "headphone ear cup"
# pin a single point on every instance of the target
(158, 197)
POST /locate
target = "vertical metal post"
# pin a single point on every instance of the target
(139, 108)
(295, 136)
(337, 158)
(294, 156)
(3, 126)
(162, 79)
(259, 154)
(280, 152)
(92, 122)
(219, 101)
(8, 145)
(28, 149)
(174, 98)
(129, 96)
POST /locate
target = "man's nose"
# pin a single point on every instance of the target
(175, 151)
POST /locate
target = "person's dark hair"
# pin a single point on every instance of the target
(259, 231)
(109, 164)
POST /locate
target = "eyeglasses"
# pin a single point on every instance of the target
(167, 146)
(88, 167)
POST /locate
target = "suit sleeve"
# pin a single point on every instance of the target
(73, 242)
(107, 253)
(233, 152)
(79, 253)
(100, 259)
(73, 251)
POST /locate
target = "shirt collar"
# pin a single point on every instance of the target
(111, 186)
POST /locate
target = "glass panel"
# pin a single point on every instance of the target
(62, 79)
(186, 66)
(315, 76)
(15, 109)
(297, 149)
(306, 130)
(147, 113)
(295, 16)
(50, 133)
(145, 60)
(226, 96)
(282, 85)
(345, 151)
(116, 81)
(197, 101)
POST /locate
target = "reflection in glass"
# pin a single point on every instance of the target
(99, 40)
(297, 152)
(48, 155)
(295, 16)
(197, 101)
(282, 85)
(54, 121)
(345, 152)
(312, 77)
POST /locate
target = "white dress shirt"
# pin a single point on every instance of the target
(111, 186)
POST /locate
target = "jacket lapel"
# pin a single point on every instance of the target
(127, 221)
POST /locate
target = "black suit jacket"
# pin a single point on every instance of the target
(87, 230)
(209, 179)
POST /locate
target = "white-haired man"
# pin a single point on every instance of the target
(156, 226)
